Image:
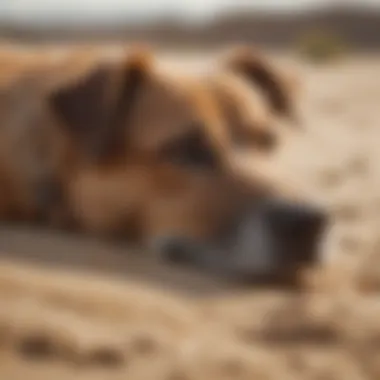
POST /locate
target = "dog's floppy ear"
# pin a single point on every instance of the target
(257, 69)
(81, 106)
(93, 109)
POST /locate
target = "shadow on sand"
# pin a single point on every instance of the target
(78, 254)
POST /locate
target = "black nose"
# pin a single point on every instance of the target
(288, 217)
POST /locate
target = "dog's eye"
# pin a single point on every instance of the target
(191, 150)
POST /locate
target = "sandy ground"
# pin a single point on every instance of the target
(82, 309)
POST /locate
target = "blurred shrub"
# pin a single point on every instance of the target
(321, 46)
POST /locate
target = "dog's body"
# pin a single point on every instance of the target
(126, 147)
(31, 145)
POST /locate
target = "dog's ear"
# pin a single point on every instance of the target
(93, 109)
(253, 66)
(81, 106)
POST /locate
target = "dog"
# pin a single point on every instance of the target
(149, 154)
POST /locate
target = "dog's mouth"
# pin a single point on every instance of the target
(275, 244)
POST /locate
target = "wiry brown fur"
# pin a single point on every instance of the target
(107, 126)
(31, 145)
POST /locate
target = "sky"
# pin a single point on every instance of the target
(55, 11)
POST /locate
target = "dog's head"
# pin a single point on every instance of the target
(152, 156)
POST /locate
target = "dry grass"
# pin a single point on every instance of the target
(88, 311)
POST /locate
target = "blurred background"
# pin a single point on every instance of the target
(204, 23)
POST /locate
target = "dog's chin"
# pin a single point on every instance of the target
(240, 268)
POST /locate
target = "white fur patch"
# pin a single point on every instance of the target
(254, 252)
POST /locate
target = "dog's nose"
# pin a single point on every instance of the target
(298, 229)
(288, 217)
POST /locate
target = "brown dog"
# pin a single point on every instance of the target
(150, 154)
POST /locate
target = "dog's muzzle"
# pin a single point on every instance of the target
(270, 239)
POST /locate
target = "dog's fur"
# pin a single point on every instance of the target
(146, 112)
(127, 147)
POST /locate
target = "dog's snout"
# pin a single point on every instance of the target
(295, 218)
(275, 238)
